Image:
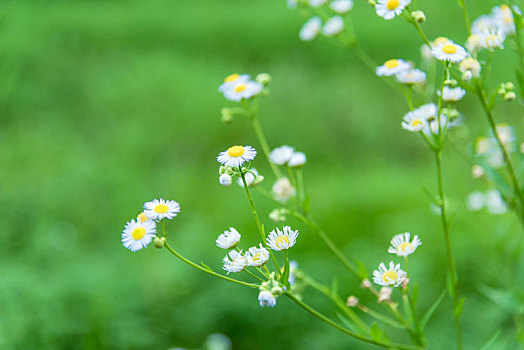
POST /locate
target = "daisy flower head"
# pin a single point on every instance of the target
(401, 245)
(265, 298)
(470, 66)
(475, 201)
(235, 156)
(283, 190)
(414, 122)
(297, 160)
(310, 29)
(484, 22)
(249, 177)
(142, 217)
(495, 203)
(503, 18)
(242, 90)
(257, 256)
(341, 6)
(231, 80)
(391, 276)
(388, 9)
(449, 52)
(452, 94)
(474, 43)
(492, 39)
(282, 240)
(281, 155)
(237, 263)
(333, 26)
(392, 67)
(411, 77)
(228, 239)
(225, 179)
(159, 209)
(138, 235)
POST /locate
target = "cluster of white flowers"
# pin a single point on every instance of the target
(403, 71)
(139, 232)
(389, 9)
(286, 155)
(492, 200)
(237, 87)
(487, 147)
(394, 276)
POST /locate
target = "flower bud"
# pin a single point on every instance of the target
(352, 301)
(372, 3)
(385, 294)
(226, 115)
(159, 242)
(451, 82)
(510, 96)
(225, 179)
(509, 86)
(418, 16)
(477, 171)
(501, 91)
(276, 291)
(258, 179)
(278, 215)
(265, 298)
(467, 75)
(365, 283)
(263, 78)
(405, 283)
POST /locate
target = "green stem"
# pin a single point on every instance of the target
(259, 224)
(212, 273)
(253, 275)
(263, 142)
(462, 4)
(300, 185)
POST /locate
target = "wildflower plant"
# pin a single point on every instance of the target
(432, 113)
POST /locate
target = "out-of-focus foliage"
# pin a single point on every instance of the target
(107, 104)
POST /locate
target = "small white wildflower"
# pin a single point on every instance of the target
(391, 276)
(257, 256)
(470, 65)
(281, 155)
(225, 179)
(503, 18)
(228, 239)
(449, 52)
(401, 245)
(388, 9)
(477, 171)
(484, 22)
(333, 26)
(393, 67)
(341, 6)
(310, 29)
(231, 80)
(475, 201)
(352, 301)
(159, 209)
(138, 235)
(250, 178)
(237, 263)
(492, 39)
(414, 121)
(283, 190)
(282, 240)
(495, 203)
(474, 43)
(242, 90)
(452, 94)
(297, 160)
(266, 299)
(235, 156)
(142, 217)
(411, 76)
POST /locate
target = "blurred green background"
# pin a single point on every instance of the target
(107, 104)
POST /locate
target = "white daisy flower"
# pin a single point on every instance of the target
(506, 134)
(341, 6)
(282, 190)
(249, 178)
(475, 201)
(474, 43)
(237, 263)
(411, 76)
(142, 217)
(242, 90)
(293, 266)
(138, 235)
(471, 65)
(159, 209)
(298, 159)
(503, 18)
(257, 256)
(333, 26)
(388, 9)
(235, 156)
(265, 298)
(483, 23)
(414, 121)
(310, 29)
(401, 245)
(225, 179)
(495, 203)
(452, 94)
(492, 39)
(282, 240)
(389, 277)
(228, 239)
(317, 3)
(231, 80)
(433, 127)
(449, 52)
(392, 67)
(281, 155)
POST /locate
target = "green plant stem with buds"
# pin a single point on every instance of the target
(257, 219)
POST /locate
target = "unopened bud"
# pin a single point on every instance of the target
(263, 78)
(384, 294)
(365, 283)
(225, 179)
(159, 242)
(258, 179)
(405, 283)
(509, 86)
(418, 16)
(372, 3)
(477, 171)
(467, 75)
(510, 96)
(276, 291)
(352, 301)
(227, 117)
(501, 91)
(451, 82)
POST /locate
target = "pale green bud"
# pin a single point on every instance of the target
(451, 82)
(276, 291)
(263, 78)
(258, 179)
(509, 86)
(418, 16)
(510, 96)
(159, 242)
(227, 117)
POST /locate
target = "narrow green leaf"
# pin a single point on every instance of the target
(459, 307)
(491, 341)
(206, 267)
(511, 302)
(334, 286)
(306, 206)
(414, 295)
(362, 271)
(350, 325)
(376, 333)
(285, 275)
(432, 309)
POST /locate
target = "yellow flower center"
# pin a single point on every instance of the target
(504, 7)
(138, 233)
(256, 257)
(449, 48)
(389, 275)
(391, 64)
(281, 240)
(240, 88)
(231, 78)
(490, 40)
(440, 40)
(392, 4)
(161, 209)
(403, 247)
(142, 217)
(508, 20)
(235, 151)
(414, 123)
